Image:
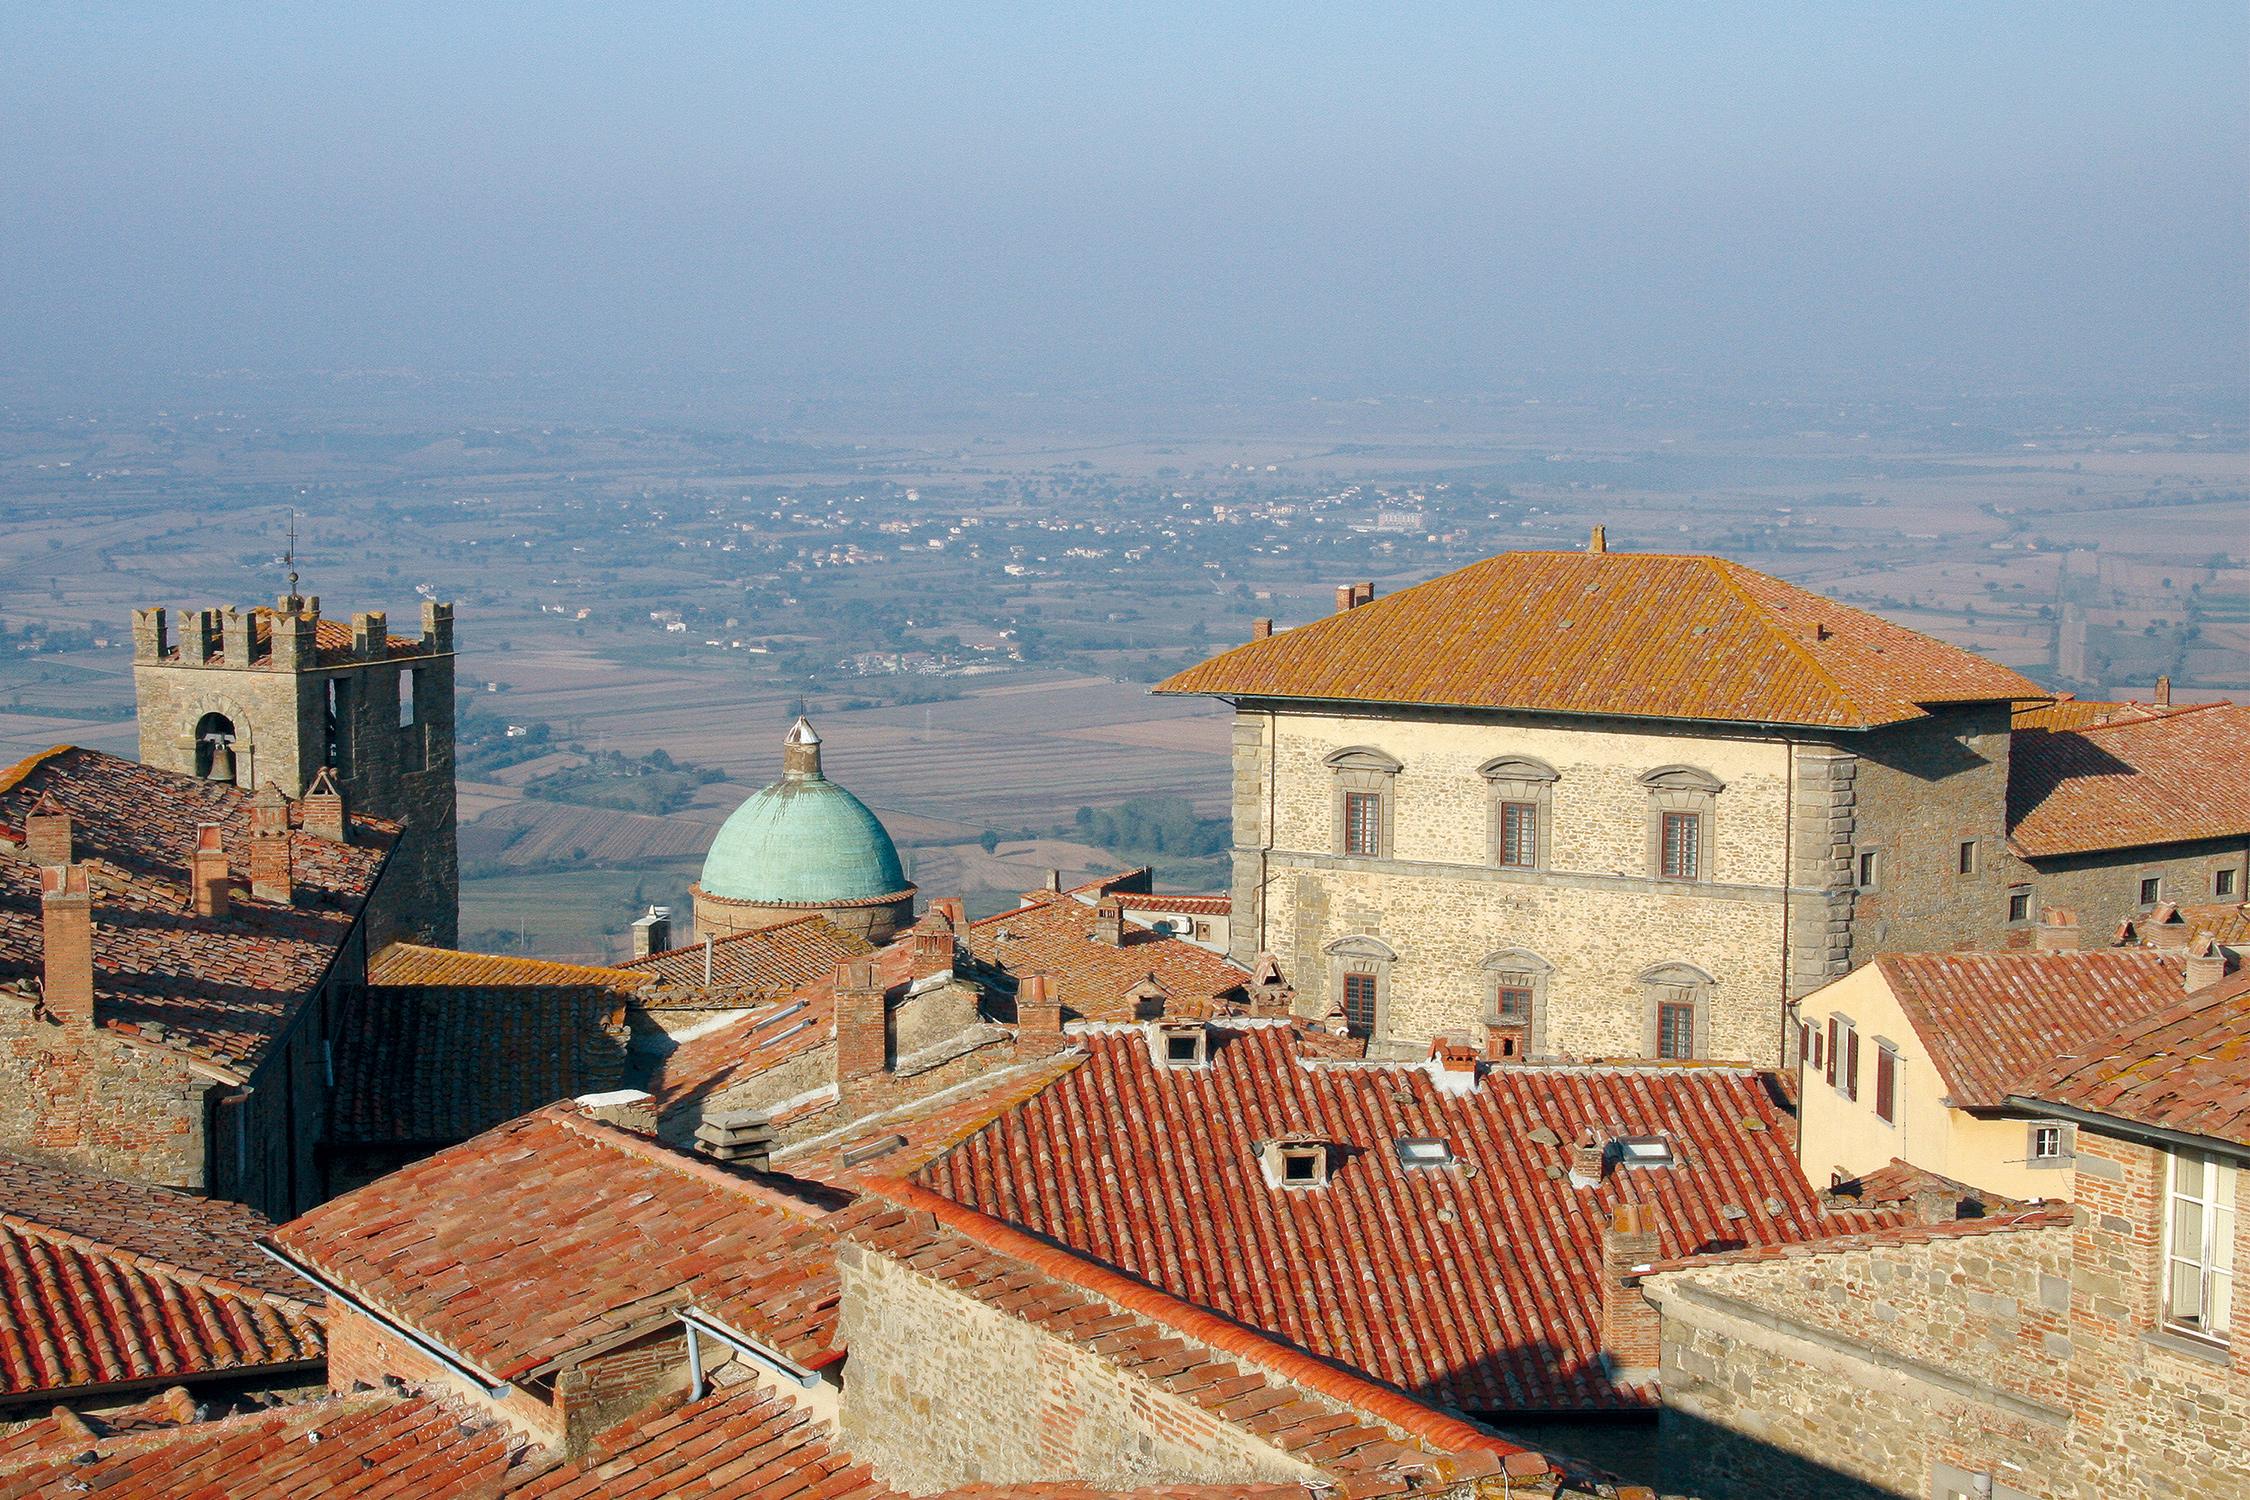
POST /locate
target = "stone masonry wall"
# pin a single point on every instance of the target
(88, 1100)
(2105, 889)
(1922, 790)
(943, 1391)
(361, 1352)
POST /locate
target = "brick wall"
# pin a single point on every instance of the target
(944, 1391)
(85, 1099)
(597, 1393)
(361, 1352)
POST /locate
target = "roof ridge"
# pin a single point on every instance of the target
(13, 777)
(656, 1153)
(173, 1270)
(2165, 715)
(1724, 568)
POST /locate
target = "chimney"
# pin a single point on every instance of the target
(1599, 541)
(2206, 963)
(2164, 692)
(1261, 629)
(955, 913)
(270, 875)
(324, 813)
(47, 835)
(1346, 597)
(1109, 923)
(1505, 1041)
(2166, 929)
(652, 933)
(210, 888)
(1054, 880)
(1587, 1158)
(930, 945)
(1038, 1015)
(627, 1109)
(2058, 931)
(66, 930)
(738, 1137)
(371, 636)
(863, 1043)
(1270, 994)
(1632, 1329)
(1363, 592)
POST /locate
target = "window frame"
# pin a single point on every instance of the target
(1363, 824)
(1519, 781)
(1518, 969)
(2151, 890)
(1361, 770)
(1361, 955)
(1967, 857)
(1868, 870)
(1679, 789)
(1843, 1056)
(2019, 895)
(2213, 1257)
(2064, 1154)
(1670, 985)
(2223, 882)
(1690, 847)
(1887, 1065)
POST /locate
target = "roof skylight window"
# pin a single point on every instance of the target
(1422, 1151)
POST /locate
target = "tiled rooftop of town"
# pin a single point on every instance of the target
(2185, 1068)
(105, 1283)
(1991, 1019)
(1056, 935)
(1640, 634)
(219, 987)
(762, 964)
(1471, 1281)
(2164, 779)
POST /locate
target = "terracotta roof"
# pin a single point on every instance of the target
(376, 1444)
(764, 963)
(435, 1060)
(1187, 905)
(740, 1443)
(1474, 1287)
(1054, 936)
(2185, 1068)
(2185, 775)
(2228, 922)
(2067, 712)
(220, 988)
(1990, 1019)
(332, 642)
(1385, 1441)
(526, 1244)
(107, 1283)
(1637, 634)
(2046, 1216)
(898, 1142)
(1899, 1182)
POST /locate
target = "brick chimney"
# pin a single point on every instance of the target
(863, 1042)
(955, 913)
(1588, 1155)
(2057, 932)
(930, 945)
(325, 814)
(47, 834)
(1261, 629)
(2166, 929)
(1632, 1329)
(271, 878)
(652, 932)
(1109, 923)
(66, 931)
(1363, 592)
(1599, 541)
(210, 889)
(2205, 963)
(1454, 1052)
(1270, 993)
(1346, 597)
(2164, 692)
(1039, 1025)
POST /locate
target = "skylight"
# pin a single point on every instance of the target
(1645, 1151)
(1422, 1151)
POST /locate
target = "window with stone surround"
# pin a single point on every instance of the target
(2199, 1245)
(1676, 1009)
(1682, 817)
(2223, 882)
(1359, 977)
(1364, 780)
(1517, 985)
(2152, 889)
(2019, 904)
(1521, 796)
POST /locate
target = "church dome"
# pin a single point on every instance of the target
(803, 840)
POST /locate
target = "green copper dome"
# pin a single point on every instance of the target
(802, 840)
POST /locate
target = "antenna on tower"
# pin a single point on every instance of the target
(289, 556)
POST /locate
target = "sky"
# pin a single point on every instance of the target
(1249, 198)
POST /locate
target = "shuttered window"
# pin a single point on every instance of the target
(1519, 835)
(1359, 1004)
(1830, 1055)
(1850, 1069)
(1683, 846)
(1886, 1084)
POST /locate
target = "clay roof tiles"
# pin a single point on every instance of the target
(1635, 634)
(2165, 779)
(740, 1443)
(220, 988)
(763, 963)
(1474, 1286)
(105, 1283)
(1990, 1019)
(528, 1243)
(1054, 935)
(2185, 1068)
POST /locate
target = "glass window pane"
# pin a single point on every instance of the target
(2186, 1297)
(2187, 1175)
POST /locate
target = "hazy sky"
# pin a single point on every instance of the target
(1266, 197)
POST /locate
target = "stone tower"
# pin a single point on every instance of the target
(275, 695)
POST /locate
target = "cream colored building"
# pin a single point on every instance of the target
(1605, 804)
(1913, 1058)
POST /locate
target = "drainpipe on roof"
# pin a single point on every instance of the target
(773, 1361)
(453, 1363)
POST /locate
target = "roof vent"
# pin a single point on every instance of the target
(1181, 1045)
(1295, 1161)
(1423, 1151)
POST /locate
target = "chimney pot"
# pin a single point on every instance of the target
(66, 930)
(48, 836)
(210, 890)
(652, 932)
(271, 878)
(1588, 1156)
(740, 1138)
(1261, 628)
(2058, 931)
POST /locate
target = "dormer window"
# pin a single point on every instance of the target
(1295, 1162)
(1183, 1046)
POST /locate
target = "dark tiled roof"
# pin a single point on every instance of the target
(2124, 785)
(1054, 936)
(1637, 634)
(764, 963)
(2185, 1068)
(221, 988)
(435, 1060)
(1989, 1019)
(524, 1245)
(341, 1448)
(104, 1282)
(1474, 1286)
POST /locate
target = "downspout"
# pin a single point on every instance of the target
(1265, 846)
(770, 1360)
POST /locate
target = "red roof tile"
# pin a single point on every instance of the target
(2161, 780)
(1908, 1232)
(1474, 1286)
(2185, 1068)
(524, 1245)
(760, 964)
(1989, 1019)
(105, 1283)
(1054, 936)
(1636, 634)
(221, 988)
(741, 1443)
(899, 1141)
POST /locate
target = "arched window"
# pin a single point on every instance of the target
(1682, 817)
(1359, 971)
(1520, 801)
(1364, 779)
(1516, 1002)
(214, 747)
(1676, 1006)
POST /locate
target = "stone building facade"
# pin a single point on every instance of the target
(282, 695)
